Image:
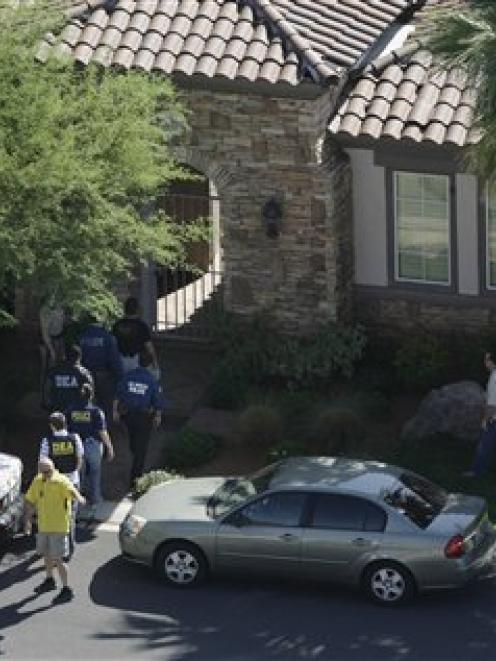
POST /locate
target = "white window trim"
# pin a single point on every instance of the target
(397, 277)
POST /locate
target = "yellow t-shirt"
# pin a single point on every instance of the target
(53, 500)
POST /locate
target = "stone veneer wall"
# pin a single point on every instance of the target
(394, 313)
(257, 147)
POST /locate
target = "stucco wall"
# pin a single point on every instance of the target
(390, 308)
(254, 148)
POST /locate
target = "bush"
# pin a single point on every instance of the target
(373, 405)
(336, 430)
(191, 448)
(261, 355)
(286, 449)
(143, 483)
(422, 362)
(260, 424)
(228, 388)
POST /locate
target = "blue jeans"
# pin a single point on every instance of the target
(485, 449)
(92, 470)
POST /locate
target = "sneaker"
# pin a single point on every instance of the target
(47, 585)
(65, 595)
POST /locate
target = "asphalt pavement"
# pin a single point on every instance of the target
(121, 611)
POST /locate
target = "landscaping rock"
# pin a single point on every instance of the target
(216, 422)
(454, 410)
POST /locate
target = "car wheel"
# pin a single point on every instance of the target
(388, 583)
(181, 564)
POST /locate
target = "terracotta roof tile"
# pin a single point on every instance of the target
(286, 41)
(412, 100)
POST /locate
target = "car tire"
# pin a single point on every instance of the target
(181, 564)
(388, 583)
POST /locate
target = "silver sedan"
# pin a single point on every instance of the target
(366, 524)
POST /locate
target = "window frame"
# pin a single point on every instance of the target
(486, 279)
(269, 494)
(410, 284)
(309, 522)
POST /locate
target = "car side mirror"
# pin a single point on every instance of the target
(236, 519)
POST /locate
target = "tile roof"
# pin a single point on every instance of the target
(405, 97)
(273, 41)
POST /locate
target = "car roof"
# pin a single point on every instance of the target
(335, 474)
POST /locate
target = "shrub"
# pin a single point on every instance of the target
(228, 388)
(143, 483)
(373, 405)
(422, 362)
(336, 430)
(260, 424)
(191, 448)
(286, 449)
(262, 355)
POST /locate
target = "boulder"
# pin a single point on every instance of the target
(454, 410)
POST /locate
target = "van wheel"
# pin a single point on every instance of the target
(388, 583)
(181, 564)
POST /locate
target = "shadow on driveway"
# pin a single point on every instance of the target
(243, 620)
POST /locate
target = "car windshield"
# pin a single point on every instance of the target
(235, 491)
(417, 498)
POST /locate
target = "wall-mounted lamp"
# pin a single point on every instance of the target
(272, 218)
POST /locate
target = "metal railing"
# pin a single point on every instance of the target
(188, 303)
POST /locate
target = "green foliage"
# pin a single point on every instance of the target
(336, 430)
(82, 156)
(422, 362)
(263, 355)
(143, 483)
(228, 387)
(260, 425)
(191, 448)
(466, 39)
(286, 449)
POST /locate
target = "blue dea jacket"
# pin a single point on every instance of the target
(87, 420)
(99, 350)
(138, 390)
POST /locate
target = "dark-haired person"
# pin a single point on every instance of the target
(88, 421)
(133, 336)
(487, 438)
(139, 401)
(50, 495)
(65, 379)
(67, 453)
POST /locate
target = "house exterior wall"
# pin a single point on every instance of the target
(255, 148)
(380, 302)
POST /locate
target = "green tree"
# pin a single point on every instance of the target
(83, 152)
(463, 35)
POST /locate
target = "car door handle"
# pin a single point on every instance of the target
(360, 541)
(287, 537)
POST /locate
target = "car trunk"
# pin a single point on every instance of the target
(466, 516)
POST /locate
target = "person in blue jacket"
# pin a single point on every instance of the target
(139, 402)
(88, 421)
(101, 357)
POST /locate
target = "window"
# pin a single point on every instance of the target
(491, 236)
(277, 509)
(336, 512)
(417, 498)
(422, 228)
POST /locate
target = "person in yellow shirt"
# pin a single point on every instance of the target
(50, 495)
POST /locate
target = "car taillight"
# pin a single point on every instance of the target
(455, 548)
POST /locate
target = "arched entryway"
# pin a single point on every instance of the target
(187, 299)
